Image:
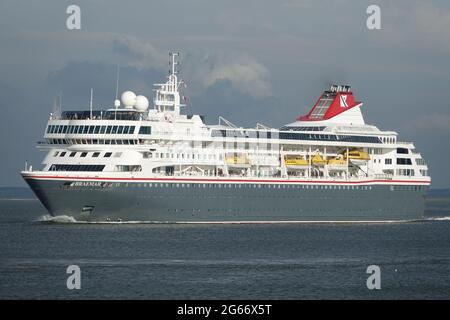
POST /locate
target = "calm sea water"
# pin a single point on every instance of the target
(282, 261)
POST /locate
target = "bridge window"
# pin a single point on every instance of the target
(405, 161)
(76, 167)
(145, 130)
(402, 150)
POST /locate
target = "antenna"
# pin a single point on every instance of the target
(90, 103)
(60, 102)
(174, 63)
(117, 81)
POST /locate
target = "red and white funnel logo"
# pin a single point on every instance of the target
(343, 98)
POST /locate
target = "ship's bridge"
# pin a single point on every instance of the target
(110, 114)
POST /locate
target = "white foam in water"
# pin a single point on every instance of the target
(439, 218)
(57, 219)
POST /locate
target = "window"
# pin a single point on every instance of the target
(72, 154)
(387, 161)
(85, 129)
(62, 154)
(420, 162)
(102, 129)
(83, 154)
(132, 129)
(56, 154)
(145, 130)
(97, 129)
(322, 106)
(108, 130)
(377, 151)
(405, 172)
(402, 150)
(120, 130)
(404, 161)
(114, 130)
(107, 154)
(91, 129)
(76, 167)
(95, 154)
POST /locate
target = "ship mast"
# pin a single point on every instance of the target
(167, 96)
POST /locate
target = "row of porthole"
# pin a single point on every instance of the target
(258, 186)
(242, 186)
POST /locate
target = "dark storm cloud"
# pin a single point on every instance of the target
(77, 78)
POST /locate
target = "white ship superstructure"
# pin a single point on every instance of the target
(167, 166)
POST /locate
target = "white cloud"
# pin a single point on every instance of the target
(246, 75)
(143, 54)
(244, 72)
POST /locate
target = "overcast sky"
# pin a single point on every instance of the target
(250, 61)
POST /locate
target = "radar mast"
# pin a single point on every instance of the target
(167, 96)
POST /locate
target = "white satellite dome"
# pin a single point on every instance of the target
(128, 99)
(117, 103)
(141, 103)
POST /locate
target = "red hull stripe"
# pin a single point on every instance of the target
(220, 180)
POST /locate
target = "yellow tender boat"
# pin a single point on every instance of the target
(338, 161)
(318, 160)
(237, 160)
(357, 155)
(294, 160)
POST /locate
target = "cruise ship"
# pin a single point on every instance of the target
(141, 161)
